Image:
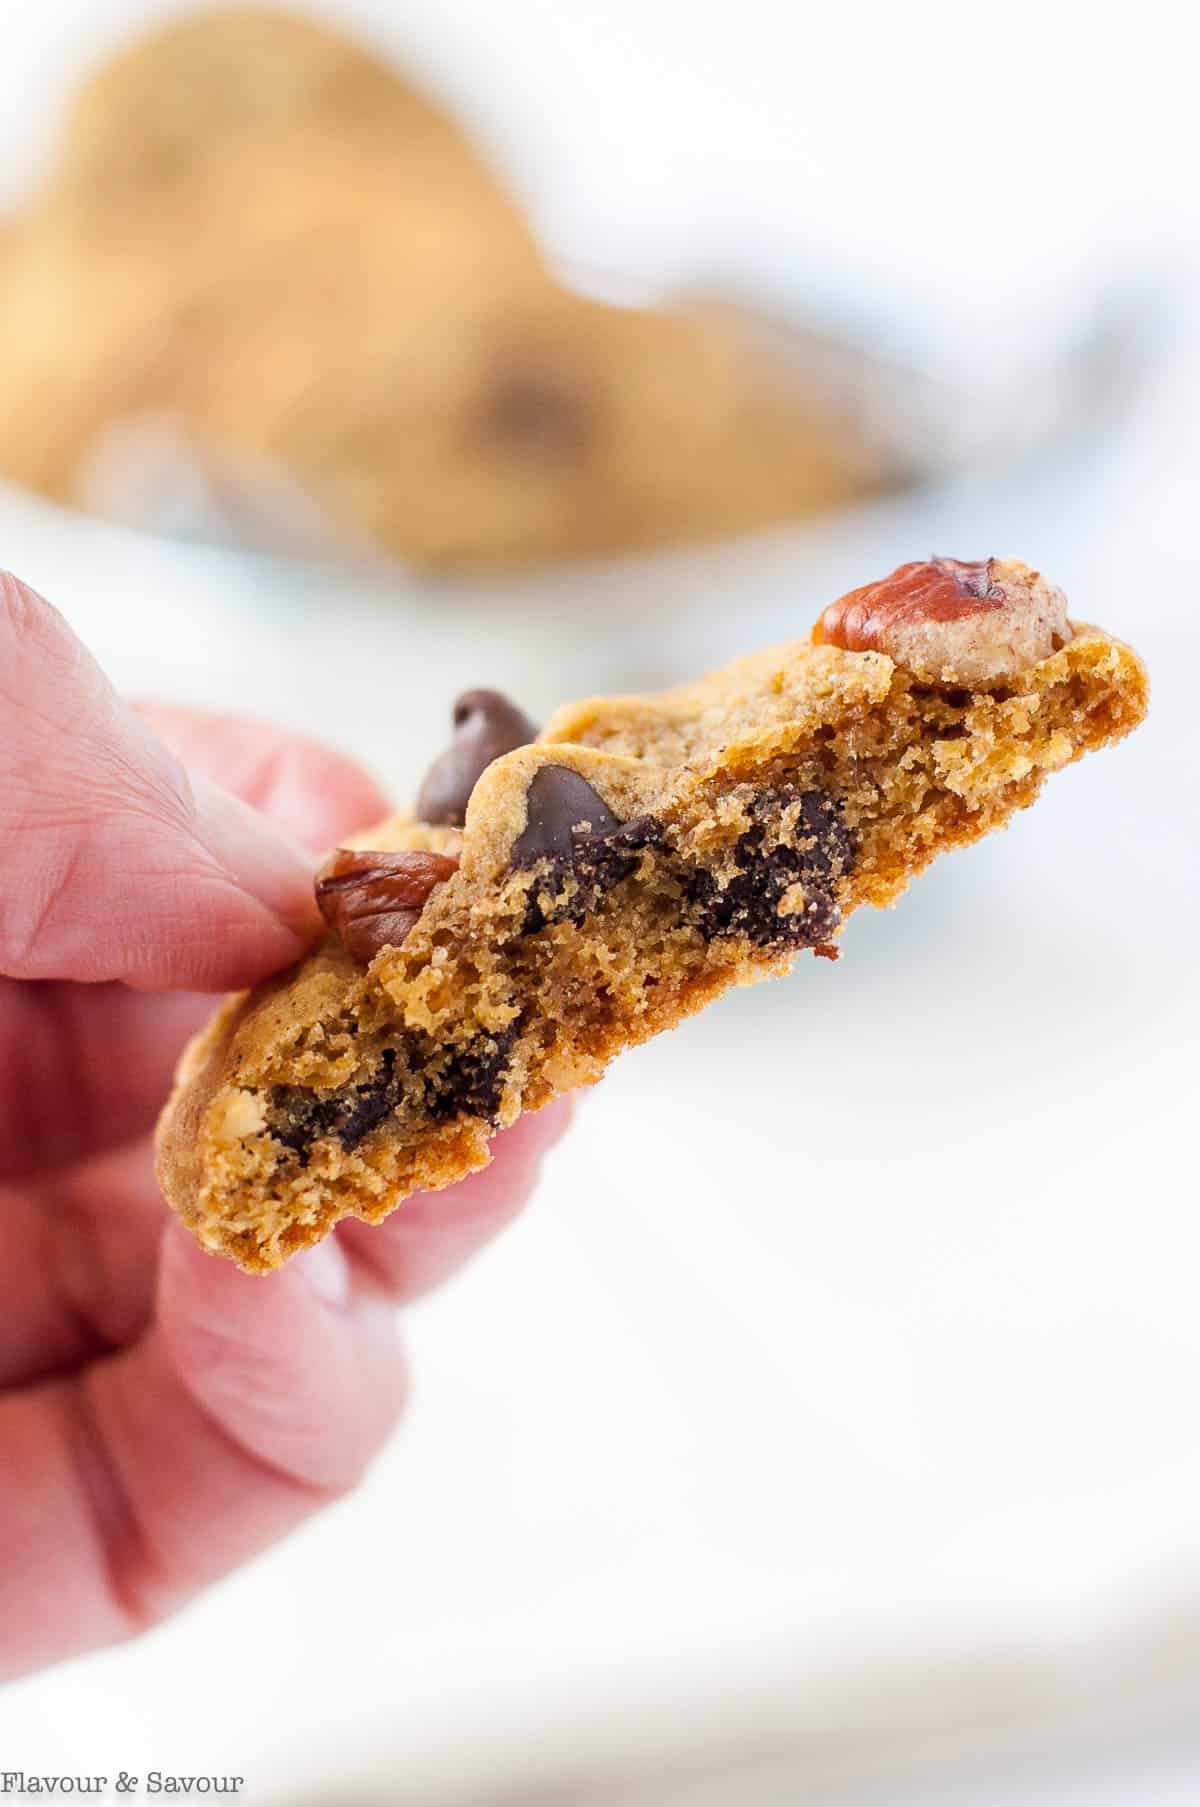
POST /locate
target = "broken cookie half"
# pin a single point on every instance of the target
(570, 894)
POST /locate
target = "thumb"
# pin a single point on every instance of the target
(113, 864)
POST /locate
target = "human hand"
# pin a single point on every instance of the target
(164, 1416)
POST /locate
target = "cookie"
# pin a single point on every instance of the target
(557, 899)
(236, 199)
(208, 87)
(539, 427)
(264, 265)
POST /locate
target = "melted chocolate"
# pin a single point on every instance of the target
(816, 854)
(472, 1084)
(562, 811)
(581, 849)
(300, 1117)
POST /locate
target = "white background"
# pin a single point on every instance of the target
(837, 1396)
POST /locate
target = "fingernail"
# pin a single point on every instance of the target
(263, 862)
(325, 1270)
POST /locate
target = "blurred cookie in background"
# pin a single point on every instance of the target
(228, 164)
(270, 292)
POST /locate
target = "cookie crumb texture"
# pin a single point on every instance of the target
(639, 857)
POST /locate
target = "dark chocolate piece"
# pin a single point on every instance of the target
(486, 725)
(300, 1117)
(575, 880)
(472, 1082)
(561, 808)
(817, 852)
(585, 848)
(539, 414)
(373, 899)
(469, 1083)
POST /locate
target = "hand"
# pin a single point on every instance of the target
(164, 1416)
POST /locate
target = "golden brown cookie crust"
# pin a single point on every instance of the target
(637, 859)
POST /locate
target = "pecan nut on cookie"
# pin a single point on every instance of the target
(573, 892)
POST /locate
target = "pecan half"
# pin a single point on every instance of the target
(372, 899)
(950, 622)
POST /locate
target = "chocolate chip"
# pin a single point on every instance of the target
(816, 851)
(573, 882)
(372, 900)
(472, 1082)
(539, 414)
(486, 725)
(300, 1117)
(467, 1081)
(561, 808)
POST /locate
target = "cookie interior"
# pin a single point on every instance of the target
(749, 824)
